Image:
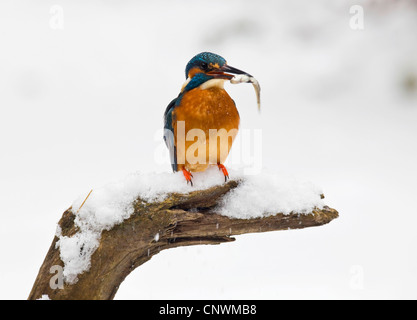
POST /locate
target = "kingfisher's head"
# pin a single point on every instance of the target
(208, 66)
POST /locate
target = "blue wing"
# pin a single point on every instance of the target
(169, 134)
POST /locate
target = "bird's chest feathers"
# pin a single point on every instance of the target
(208, 107)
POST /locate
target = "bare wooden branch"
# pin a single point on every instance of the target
(179, 220)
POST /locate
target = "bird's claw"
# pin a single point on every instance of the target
(187, 175)
(224, 170)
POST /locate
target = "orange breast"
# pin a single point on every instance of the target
(205, 124)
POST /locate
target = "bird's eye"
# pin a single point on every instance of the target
(204, 65)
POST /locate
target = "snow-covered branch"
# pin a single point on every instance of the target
(94, 261)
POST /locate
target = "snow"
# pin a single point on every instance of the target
(44, 297)
(269, 193)
(256, 196)
(76, 252)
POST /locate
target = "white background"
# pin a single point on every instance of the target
(82, 96)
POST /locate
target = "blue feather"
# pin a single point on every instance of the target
(195, 82)
(169, 134)
(204, 57)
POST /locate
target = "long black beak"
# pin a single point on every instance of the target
(223, 72)
(230, 69)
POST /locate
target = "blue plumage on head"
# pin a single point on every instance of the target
(203, 61)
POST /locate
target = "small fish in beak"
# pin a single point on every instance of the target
(246, 78)
(237, 76)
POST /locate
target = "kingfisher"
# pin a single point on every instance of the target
(201, 124)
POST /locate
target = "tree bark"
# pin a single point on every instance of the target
(179, 220)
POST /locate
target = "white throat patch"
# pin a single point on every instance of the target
(219, 83)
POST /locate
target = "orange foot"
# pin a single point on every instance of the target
(224, 170)
(187, 174)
